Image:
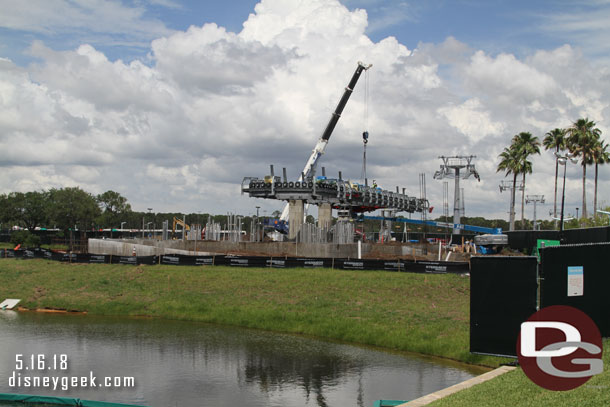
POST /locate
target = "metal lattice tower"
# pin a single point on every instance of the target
(457, 167)
(422, 195)
(535, 199)
(509, 186)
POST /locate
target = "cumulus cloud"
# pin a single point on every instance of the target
(180, 130)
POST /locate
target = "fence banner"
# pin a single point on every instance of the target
(186, 260)
(99, 258)
(246, 261)
(437, 267)
(309, 263)
(133, 260)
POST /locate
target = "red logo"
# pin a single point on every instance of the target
(560, 348)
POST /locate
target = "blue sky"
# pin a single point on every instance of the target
(188, 97)
(496, 26)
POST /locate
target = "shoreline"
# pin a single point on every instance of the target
(414, 313)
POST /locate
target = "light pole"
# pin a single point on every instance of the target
(563, 160)
(122, 223)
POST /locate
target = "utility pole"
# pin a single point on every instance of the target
(457, 167)
(535, 199)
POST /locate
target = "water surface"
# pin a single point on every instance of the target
(177, 363)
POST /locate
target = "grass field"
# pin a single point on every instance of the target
(415, 312)
(421, 313)
(515, 389)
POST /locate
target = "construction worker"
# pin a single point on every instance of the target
(374, 184)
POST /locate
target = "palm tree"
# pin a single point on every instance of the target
(555, 139)
(510, 162)
(582, 138)
(601, 155)
(526, 145)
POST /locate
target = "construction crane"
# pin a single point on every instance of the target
(323, 141)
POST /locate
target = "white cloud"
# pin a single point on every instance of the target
(472, 120)
(109, 17)
(180, 131)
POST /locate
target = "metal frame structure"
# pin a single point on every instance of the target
(512, 187)
(340, 194)
(452, 168)
(535, 199)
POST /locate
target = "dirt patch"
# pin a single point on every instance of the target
(39, 292)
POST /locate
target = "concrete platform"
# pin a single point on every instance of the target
(429, 398)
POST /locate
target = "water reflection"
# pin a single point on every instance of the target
(179, 363)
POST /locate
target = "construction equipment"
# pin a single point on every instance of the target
(323, 141)
(180, 222)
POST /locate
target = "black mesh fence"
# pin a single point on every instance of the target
(434, 267)
(578, 276)
(526, 239)
(502, 296)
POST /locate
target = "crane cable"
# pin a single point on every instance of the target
(365, 134)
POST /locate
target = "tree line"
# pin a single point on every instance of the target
(72, 208)
(580, 141)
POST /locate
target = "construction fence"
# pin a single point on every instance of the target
(526, 239)
(403, 265)
(506, 291)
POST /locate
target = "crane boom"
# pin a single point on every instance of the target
(334, 118)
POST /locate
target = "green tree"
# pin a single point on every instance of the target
(70, 207)
(28, 210)
(6, 210)
(582, 139)
(526, 145)
(556, 140)
(113, 207)
(25, 238)
(510, 160)
(601, 155)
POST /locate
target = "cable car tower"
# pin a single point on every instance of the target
(456, 167)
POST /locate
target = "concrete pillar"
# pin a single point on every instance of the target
(325, 216)
(295, 216)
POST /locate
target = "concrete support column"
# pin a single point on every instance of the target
(295, 216)
(325, 218)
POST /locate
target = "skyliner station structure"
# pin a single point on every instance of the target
(328, 193)
(349, 198)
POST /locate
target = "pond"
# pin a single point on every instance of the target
(178, 363)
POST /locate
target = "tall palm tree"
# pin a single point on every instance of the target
(510, 160)
(555, 139)
(526, 145)
(601, 155)
(582, 138)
